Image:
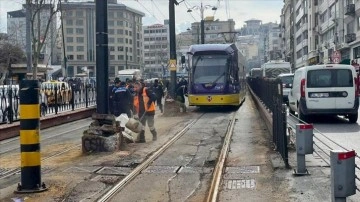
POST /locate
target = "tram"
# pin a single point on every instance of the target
(216, 75)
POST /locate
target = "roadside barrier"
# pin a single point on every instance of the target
(342, 161)
(52, 101)
(304, 145)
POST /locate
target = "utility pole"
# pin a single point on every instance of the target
(102, 57)
(202, 24)
(172, 37)
(28, 36)
(63, 39)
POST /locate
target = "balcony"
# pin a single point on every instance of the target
(350, 9)
(350, 37)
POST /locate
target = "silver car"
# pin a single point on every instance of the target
(287, 80)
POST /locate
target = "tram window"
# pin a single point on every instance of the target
(209, 69)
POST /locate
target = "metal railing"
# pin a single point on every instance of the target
(52, 101)
(270, 93)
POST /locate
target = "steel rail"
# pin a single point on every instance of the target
(17, 170)
(215, 183)
(120, 185)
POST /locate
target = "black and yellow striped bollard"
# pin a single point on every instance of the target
(30, 138)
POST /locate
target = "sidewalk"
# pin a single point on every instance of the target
(315, 187)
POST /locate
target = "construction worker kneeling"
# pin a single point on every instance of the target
(144, 110)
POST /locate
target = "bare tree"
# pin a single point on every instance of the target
(43, 13)
(9, 54)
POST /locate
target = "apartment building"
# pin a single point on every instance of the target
(156, 49)
(125, 38)
(216, 31)
(321, 27)
(16, 29)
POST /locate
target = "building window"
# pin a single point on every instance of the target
(80, 57)
(111, 14)
(112, 48)
(79, 13)
(79, 22)
(111, 22)
(112, 71)
(79, 48)
(121, 48)
(69, 13)
(120, 57)
(358, 23)
(119, 14)
(70, 71)
(69, 22)
(79, 31)
(69, 39)
(112, 57)
(69, 30)
(120, 23)
(70, 57)
(80, 39)
(111, 31)
(70, 48)
(357, 52)
(120, 40)
(111, 40)
(120, 31)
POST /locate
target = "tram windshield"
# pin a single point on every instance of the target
(209, 68)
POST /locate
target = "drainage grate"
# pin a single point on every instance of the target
(4, 171)
(240, 184)
(161, 169)
(243, 169)
(118, 171)
(191, 170)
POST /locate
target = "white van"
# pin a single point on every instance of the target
(329, 89)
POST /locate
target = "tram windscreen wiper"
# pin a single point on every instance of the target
(217, 79)
(197, 60)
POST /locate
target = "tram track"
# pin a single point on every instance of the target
(43, 139)
(15, 171)
(217, 174)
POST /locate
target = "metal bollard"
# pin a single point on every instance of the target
(29, 138)
(342, 175)
(304, 145)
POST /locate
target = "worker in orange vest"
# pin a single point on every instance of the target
(144, 108)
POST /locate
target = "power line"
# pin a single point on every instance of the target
(188, 7)
(158, 9)
(148, 11)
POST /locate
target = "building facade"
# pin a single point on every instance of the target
(215, 31)
(125, 38)
(321, 28)
(16, 28)
(156, 49)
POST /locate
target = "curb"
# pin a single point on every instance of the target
(12, 130)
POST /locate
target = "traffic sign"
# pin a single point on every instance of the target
(336, 56)
(172, 65)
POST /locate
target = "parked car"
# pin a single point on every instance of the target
(287, 80)
(329, 89)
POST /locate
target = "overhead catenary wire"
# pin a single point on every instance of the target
(148, 10)
(157, 7)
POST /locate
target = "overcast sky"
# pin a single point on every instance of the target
(157, 10)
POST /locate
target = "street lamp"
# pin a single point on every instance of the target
(202, 8)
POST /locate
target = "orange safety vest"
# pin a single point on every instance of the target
(145, 100)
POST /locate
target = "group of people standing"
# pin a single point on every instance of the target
(137, 100)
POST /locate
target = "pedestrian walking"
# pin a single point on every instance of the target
(181, 91)
(159, 91)
(111, 95)
(122, 99)
(144, 110)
